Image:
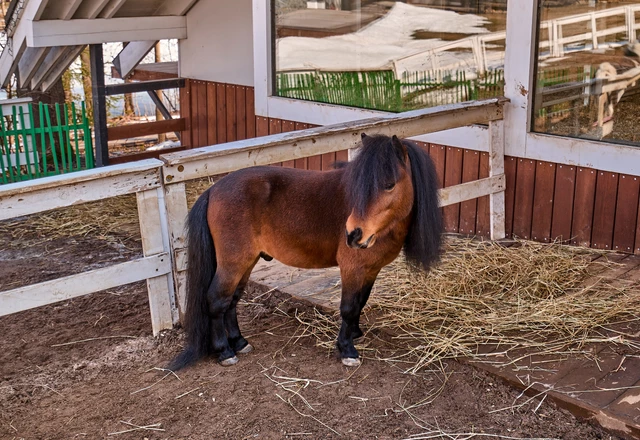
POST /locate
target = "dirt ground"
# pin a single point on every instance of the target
(89, 368)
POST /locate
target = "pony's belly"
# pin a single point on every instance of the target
(304, 257)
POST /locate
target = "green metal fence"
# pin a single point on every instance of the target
(60, 141)
(380, 90)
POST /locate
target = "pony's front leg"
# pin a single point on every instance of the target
(350, 313)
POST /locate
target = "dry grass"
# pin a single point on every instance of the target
(114, 218)
(527, 299)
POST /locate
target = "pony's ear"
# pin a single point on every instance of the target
(363, 135)
(400, 147)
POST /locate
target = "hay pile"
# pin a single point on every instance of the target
(532, 297)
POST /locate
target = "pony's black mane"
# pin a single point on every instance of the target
(377, 165)
(374, 167)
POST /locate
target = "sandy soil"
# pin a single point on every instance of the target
(89, 368)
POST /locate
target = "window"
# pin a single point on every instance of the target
(388, 55)
(588, 70)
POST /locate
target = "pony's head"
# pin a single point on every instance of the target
(379, 189)
(389, 181)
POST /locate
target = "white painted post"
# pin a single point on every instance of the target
(155, 241)
(496, 168)
(176, 204)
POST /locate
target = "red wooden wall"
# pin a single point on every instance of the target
(544, 201)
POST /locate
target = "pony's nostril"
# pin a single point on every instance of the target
(353, 237)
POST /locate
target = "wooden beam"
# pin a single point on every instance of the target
(49, 292)
(48, 33)
(144, 86)
(99, 105)
(222, 158)
(112, 8)
(63, 9)
(25, 198)
(64, 60)
(130, 56)
(91, 8)
(31, 60)
(144, 129)
(472, 190)
(149, 154)
(17, 41)
(175, 7)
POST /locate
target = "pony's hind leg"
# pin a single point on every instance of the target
(237, 343)
(220, 297)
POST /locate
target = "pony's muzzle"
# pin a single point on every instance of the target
(354, 237)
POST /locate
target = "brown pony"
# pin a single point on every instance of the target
(358, 216)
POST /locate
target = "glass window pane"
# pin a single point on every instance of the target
(389, 55)
(588, 70)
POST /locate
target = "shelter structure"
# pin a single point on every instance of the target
(254, 68)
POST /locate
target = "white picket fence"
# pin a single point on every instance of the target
(160, 189)
(554, 46)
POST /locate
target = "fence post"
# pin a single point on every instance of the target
(155, 241)
(176, 204)
(496, 168)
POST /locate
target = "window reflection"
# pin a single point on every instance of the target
(588, 71)
(389, 55)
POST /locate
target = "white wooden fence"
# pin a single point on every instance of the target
(554, 45)
(162, 203)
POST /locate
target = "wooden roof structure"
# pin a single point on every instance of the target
(45, 36)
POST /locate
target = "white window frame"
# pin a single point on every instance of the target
(520, 141)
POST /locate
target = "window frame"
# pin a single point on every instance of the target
(520, 140)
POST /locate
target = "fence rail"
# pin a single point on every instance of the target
(162, 203)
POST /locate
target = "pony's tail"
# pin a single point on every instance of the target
(424, 239)
(200, 271)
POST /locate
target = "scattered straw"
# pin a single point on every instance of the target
(527, 299)
(82, 341)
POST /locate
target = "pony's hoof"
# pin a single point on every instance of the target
(246, 349)
(229, 361)
(351, 362)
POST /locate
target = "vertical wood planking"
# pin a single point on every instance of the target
(241, 113)
(250, 113)
(468, 209)
(212, 127)
(262, 126)
(202, 114)
(288, 126)
(185, 112)
(232, 123)
(510, 172)
(563, 203)
(452, 176)
(302, 164)
(482, 216)
(221, 113)
(523, 203)
(583, 206)
(275, 127)
(195, 121)
(626, 213)
(604, 210)
(438, 156)
(342, 156)
(543, 201)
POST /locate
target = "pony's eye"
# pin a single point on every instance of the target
(389, 186)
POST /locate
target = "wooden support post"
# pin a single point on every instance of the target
(99, 105)
(496, 168)
(155, 240)
(176, 204)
